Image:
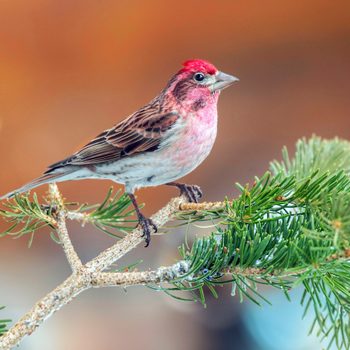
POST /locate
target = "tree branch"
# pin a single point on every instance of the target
(71, 255)
(125, 279)
(90, 275)
(202, 206)
(114, 253)
(61, 228)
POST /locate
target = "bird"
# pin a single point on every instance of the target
(158, 144)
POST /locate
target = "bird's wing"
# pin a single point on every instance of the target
(141, 132)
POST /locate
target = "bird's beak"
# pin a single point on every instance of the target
(223, 80)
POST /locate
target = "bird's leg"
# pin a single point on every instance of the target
(192, 192)
(146, 223)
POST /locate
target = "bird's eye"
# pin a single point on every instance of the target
(199, 77)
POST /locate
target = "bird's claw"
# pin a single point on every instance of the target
(147, 226)
(193, 193)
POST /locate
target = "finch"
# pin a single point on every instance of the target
(158, 144)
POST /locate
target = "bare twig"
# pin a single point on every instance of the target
(43, 309)
(61, 227)
(72, 256)
(77, 283)
(202, 206)
(124, 279)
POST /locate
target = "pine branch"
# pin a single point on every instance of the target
(90, 275)
(291, 227)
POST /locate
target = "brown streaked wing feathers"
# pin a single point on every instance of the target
(141, 132)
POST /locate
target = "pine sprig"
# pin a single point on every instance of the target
(291, 227)
(26, 216)
(3, 323)
(113, 216)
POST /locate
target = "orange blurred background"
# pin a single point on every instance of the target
(70, 69)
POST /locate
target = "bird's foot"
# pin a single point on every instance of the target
(193, 193)
(148, 226)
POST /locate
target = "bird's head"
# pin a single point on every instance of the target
(199, 80)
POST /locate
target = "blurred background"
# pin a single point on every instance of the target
(70, 69)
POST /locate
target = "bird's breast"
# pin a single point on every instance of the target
(193, 141)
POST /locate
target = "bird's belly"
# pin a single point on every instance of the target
(172, 161)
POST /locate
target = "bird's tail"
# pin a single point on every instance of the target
(44, 179)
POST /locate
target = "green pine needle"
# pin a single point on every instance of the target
(291, 227)
(3, 323)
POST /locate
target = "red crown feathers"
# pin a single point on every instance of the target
(199, 66)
